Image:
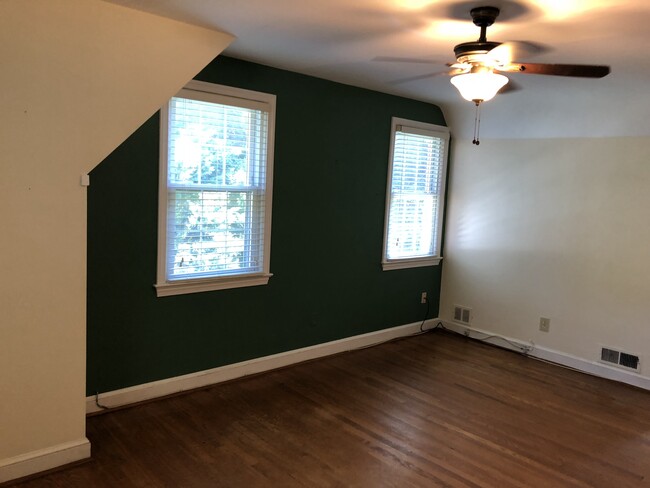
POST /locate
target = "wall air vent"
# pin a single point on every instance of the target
(629, 361)
(462, 314)
(620, 359)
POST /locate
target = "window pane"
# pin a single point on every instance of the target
(416, 163)
(214, 144)
(213, 232)
(411, 230)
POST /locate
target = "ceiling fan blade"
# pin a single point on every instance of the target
(460, 66)
(578, 70)
(456, 71)
(506, 52)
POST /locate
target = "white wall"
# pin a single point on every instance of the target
(77, 77)
(556, 228)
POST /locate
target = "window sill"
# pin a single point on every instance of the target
(410, 263)
(182, 287)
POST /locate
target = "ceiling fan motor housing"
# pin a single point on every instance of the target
(484, 16)
(467, 49)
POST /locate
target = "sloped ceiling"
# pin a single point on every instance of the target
(341, 40)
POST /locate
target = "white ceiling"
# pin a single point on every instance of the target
(340, 40)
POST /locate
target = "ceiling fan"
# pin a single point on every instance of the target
(479, 64)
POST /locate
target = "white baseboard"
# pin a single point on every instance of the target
(547, 354)
(592, 367)
(44, 459)
(155, 389)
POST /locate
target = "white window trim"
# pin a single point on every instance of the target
(425, 129)
(164, 287)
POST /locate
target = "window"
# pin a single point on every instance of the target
(214, 222)
(415, 195)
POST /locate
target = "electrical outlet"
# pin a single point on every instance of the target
(423, 297)
(544, 324)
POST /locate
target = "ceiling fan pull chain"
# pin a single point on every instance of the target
(477, 123)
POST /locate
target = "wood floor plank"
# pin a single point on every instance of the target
(436, 410)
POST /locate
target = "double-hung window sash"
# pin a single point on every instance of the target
(216, 188)
(415, 195)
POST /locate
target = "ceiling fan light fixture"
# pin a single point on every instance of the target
(479, 87)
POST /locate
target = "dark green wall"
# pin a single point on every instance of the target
(331, 157)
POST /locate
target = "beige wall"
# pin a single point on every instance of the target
(77, 77)
(556, 228)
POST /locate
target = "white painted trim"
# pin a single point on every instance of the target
(584, 365)
(44, 459)
(181, 287)
(488, 337)
(155, 389)
(409, 263)
(592, 367)
(431, 130)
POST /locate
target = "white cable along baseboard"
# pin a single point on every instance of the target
(586, 366)
(177, 384)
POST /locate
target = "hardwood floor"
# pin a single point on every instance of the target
(432, 410)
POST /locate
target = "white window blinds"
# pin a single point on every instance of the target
(217, 221)
(415, 195)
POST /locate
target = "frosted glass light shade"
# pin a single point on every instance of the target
(479, 86)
